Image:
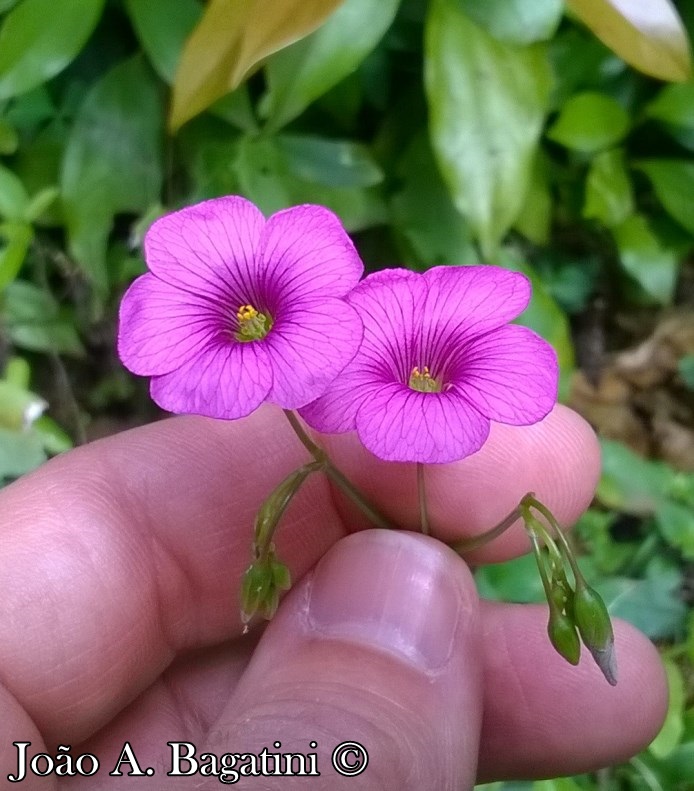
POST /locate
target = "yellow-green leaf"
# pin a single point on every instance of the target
(231, 39)
(648, 35)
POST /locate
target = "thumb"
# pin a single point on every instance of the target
(376, 650)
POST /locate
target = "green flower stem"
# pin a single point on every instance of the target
(468, 544)
(421, 491)
(337, 477)
(272, 510)
(315, 451)
(537, 551)
(567, 551)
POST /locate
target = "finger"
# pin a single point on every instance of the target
(545, 718)
(123, 553)
(119, 555)
(558, 459)
(378, 646)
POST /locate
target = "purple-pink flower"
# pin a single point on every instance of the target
(236, 309)
(438, 363)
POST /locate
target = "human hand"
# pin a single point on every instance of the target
(120, 567)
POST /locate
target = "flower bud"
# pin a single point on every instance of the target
(255, 587)
(563, 636)
(595, 628)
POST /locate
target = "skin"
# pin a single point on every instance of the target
(120, 565)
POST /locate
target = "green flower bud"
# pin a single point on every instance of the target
(255, 587)
(563, 636)
(595, 628)
(281, 578)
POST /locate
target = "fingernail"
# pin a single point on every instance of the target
(395, 591)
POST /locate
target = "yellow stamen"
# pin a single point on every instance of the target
(423, 381)
(253, 325)
(246, 313)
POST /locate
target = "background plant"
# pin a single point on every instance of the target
(447, 131)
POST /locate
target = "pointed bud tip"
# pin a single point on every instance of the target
(606, 660)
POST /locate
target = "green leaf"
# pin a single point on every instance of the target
(35, 321)
(19, 407)
(673, 182)
(306, 70)
(674, 105)
(267, 176)
(230, 40)
(588, 122)
(676, 524)
(13, 195)
(335, 163)
(557, 784)
(112, 162)
(9, 139)
(17, 237)
(515, 580)
(38, 164)
(20, 452)
(423, 214)
(609, 196)
(648, 35)
(487, 103)
(654, 267)
(651, 604)
(535, 218)
(162, 28)
(53, 438)
(544, 316)
(38, 40)
(670, 734)
(516, 21)
(629, 482)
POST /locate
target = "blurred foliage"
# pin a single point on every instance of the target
(542, 136)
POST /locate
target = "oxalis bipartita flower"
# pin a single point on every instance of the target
(438, 363)
(236, 309)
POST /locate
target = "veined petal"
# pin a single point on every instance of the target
(209, 249)
(310, 344)
(466, 300)
(509, 374)
(161, 327)
(400, 424)
(390, 303)
(225, 380)
(306, 252)
(336, 411)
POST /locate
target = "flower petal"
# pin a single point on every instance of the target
(390, 303)
(307, 252)
(161, 327)
(226, 380)
(309, 345)
(400, 424)
(209, 249)
(472, 299)
(510, 375)
(336, 411)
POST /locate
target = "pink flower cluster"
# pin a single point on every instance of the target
(237, 310)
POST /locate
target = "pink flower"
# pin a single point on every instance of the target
(237, 310)
(438, 363)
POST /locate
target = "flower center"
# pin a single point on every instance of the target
(252, 325)
(423, 381)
